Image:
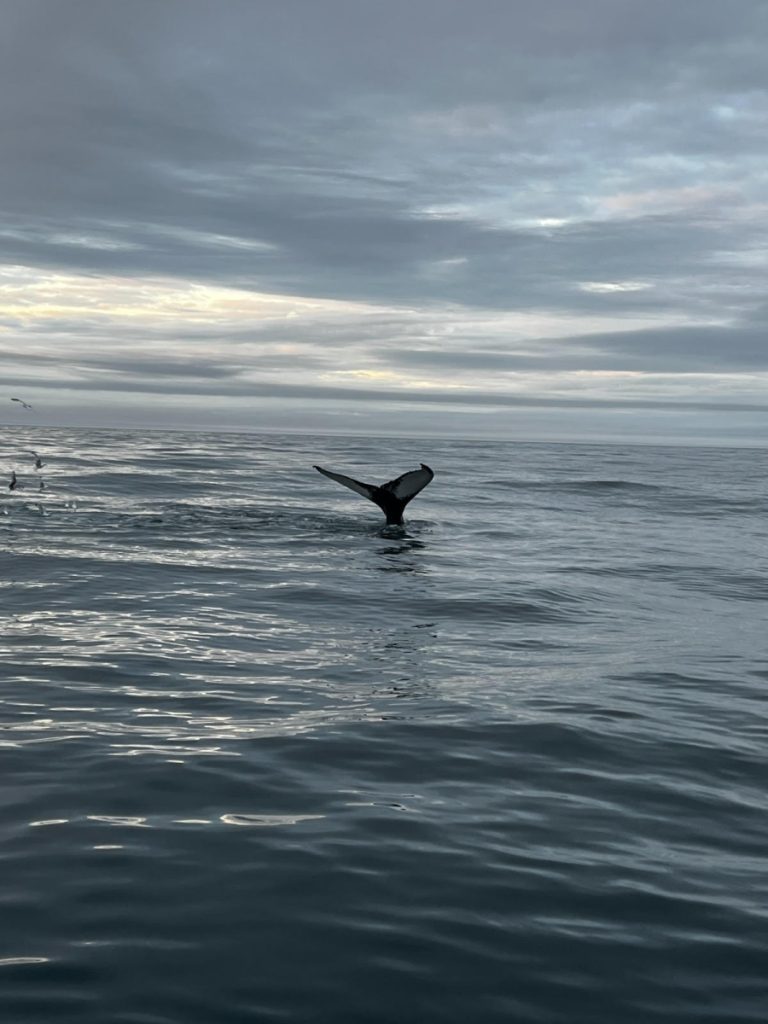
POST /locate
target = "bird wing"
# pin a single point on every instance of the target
(409, 484)
(354, 485)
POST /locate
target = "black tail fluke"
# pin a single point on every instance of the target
(391, 497)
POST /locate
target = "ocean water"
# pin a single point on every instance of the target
(262, 762)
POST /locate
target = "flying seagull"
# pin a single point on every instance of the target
(25, 404)
(391, 497)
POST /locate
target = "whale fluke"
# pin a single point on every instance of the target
(391, 497)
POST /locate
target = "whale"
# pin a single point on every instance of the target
(391, 497)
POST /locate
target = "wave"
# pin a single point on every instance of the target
(588, 486)
(705, 579)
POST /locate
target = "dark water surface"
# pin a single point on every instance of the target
(262, 763)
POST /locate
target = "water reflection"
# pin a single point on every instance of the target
(402, 660)
(268, 820)
(19, 961)
(403, 557)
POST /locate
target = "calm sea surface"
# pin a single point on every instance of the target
(261, 762)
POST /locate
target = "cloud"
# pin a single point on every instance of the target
(524, 190)
(701, 349)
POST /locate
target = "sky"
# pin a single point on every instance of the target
(532, 219)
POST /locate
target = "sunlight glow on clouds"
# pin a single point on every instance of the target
(33, 295)
(395, 379)
(607, 287)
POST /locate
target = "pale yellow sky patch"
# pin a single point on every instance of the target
(36, 295)
(392, 377)
(662, 200)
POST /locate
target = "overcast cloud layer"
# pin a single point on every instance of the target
(536, 218)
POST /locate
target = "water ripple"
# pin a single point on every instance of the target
(266, 761)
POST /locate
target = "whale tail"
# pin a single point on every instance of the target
(391, 497)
